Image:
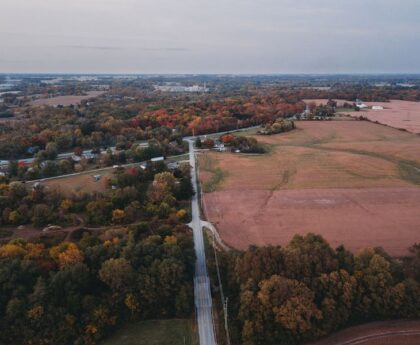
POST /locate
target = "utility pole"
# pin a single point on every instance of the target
(225, 308)
(224, 300)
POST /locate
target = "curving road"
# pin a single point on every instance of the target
(385, 336)
(202, 295)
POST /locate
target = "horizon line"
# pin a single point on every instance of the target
(219, 74)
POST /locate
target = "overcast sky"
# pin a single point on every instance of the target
(212, 36)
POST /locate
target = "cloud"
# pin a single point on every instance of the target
(217, 36)
(89, 47)
(157, 49)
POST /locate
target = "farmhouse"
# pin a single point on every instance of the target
(76, 158)
(4, 164)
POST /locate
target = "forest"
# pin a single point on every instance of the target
(136, 263)
(306, 290)
(132, 194)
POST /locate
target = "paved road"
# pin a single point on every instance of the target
(94, 171)
(202, 295)
(67, 155)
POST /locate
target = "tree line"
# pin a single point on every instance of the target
(306, 290)
(132, 194)
(78, 292)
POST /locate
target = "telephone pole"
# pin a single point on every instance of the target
(225, 308)
(224, 300)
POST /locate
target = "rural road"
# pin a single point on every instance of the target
(90, 172)
(67, 155)
(202, 295)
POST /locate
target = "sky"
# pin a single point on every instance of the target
(210, 36)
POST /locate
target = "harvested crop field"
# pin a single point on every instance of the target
(398, 114)
(354, 182)
(377, 333)
(65, 100)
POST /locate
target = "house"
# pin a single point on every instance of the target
(4, 164)
(173, 165)
(219, 146)
(88, 155)
(158, 159)
(377, 107)
(360, 104)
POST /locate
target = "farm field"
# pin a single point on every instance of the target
(155, 332)
(377, 333)
(396, 113)
(323, 177)
(65, 100)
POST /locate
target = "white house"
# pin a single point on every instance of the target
(360, 104)
(377, 107)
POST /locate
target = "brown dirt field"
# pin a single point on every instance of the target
(354, 182)
(357, 218)
(396, 113)
(65, 100)
(377, 333)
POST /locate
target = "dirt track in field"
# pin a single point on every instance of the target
(377, 333)
(354, 182)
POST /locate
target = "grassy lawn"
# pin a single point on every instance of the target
(156, 332)
(209, 164)
(344, 110)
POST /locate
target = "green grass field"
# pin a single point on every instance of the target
(155, 332)
(209, 164)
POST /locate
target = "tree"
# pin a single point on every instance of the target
(163, 185)
(69, 257)
(337, 292)
(51, 151)
(285, 303)
(198, 142)
(117, 274)
(118, 216)
(41, 215)
(99, 211)
(208, 143)
(307, 257)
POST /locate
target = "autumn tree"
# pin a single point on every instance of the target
(117, 273)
